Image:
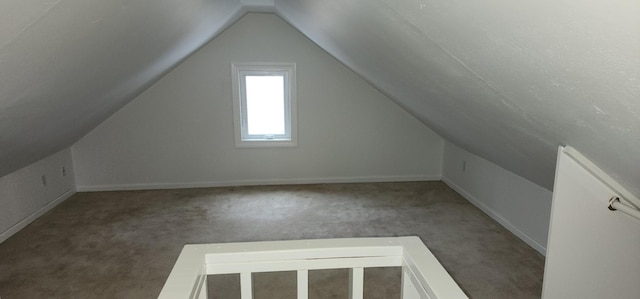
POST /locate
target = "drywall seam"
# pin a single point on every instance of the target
(37, 20)
(35, 215)
(497, 217)
(297, 181)
(450, 54)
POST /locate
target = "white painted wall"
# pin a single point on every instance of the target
(23, 198)
(593, 252)
(518, 204)
(179, 133)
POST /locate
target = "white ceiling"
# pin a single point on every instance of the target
(507, 80)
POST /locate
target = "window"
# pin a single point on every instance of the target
(264, 104)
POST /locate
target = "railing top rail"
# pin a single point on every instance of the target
(303, 249)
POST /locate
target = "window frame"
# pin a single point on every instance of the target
(242, 138)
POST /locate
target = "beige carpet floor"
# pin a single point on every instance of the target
(124, 244)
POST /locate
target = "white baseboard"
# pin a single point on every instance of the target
(497, 217)
(297, 181)
(26, 221)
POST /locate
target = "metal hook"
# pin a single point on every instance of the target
(611, 201)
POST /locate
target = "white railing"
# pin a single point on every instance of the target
(422, 274)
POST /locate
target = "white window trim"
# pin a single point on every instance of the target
(239, 114)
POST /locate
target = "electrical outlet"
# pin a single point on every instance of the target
(64, 171)
(43, 180)
(464, 166)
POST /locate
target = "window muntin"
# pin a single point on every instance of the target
(264, 104)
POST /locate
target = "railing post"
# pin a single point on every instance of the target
(303, 284)
(408, 289)
(246, 286)
(204, 292)
(356, 283)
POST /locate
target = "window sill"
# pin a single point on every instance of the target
(266, 143)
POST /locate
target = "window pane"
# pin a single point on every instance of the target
(265, 105)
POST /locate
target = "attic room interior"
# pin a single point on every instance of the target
(505, 135)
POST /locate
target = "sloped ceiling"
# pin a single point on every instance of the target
(65, 66)
(507, 80)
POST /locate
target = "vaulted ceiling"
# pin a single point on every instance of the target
(507, 80)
